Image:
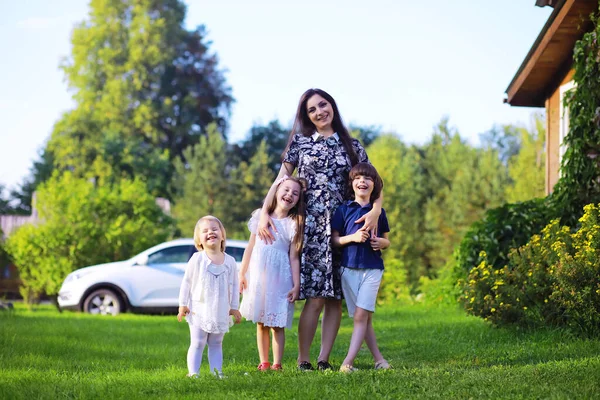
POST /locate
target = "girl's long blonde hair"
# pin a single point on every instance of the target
(297, 213)
(197, 232)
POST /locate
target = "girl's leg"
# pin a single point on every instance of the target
(307, 326)
(361, 320)
(215, 352)
(372, 341)
(332, 317)
(262, 342)
(278, 344)
(197, 342)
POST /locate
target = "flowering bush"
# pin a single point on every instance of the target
(552, 280)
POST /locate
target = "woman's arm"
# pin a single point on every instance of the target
(265, 221)
(371, 218)
(246, 262)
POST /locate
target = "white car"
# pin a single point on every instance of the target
(148, 282)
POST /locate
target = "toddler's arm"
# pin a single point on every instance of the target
(186, 287)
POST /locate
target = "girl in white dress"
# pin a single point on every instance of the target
(270, 273)
(209, 295)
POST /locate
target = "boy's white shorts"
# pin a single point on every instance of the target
(360, 287)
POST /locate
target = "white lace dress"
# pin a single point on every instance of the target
(269, 277)
(210, 291)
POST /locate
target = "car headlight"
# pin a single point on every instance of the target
(73, 276)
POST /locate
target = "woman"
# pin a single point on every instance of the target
(323, 152)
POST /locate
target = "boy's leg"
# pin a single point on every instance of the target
(215, 351)
(262, 342)
(278, 344)
(330, 325)
(197, 343)
(361, 319)
(372, 341)
(307, 326)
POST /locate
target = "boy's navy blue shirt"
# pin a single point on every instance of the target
(358, 255)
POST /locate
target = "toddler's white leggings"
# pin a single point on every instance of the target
(198, 340)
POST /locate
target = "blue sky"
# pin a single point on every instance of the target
(398, 64)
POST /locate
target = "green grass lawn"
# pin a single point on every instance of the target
(437, 353)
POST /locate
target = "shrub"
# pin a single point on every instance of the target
(393, 287)
(83, 225)
(554, 280)
(576, 288)
(502, 229)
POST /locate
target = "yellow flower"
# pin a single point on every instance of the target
(493, 310)
(524, 308)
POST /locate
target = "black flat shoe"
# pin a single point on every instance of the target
(323, 366)
(305, 366)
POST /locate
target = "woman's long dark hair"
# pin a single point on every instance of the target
(304, 126)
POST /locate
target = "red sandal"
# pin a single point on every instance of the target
(263, 366)
(276, 367)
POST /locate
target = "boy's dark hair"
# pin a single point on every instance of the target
(366, 169)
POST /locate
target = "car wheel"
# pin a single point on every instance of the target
(102, 301)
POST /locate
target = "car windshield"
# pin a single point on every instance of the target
(235, 252)
(171, 255)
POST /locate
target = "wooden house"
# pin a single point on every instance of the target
(546, 73)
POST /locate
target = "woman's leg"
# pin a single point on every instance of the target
(332, 317)
(361, 321)
(372, 341)
(197, 343)
(307, 326)
(278, 344)
(215, 352)
(262, 342)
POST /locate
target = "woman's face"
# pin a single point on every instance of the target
(320, 112)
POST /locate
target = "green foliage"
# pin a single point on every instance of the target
(250, 181)
(81, 225)
(552, 280)
(394, 288)
(579, 183)
(527, 168)
(145, 89)
(275, 138)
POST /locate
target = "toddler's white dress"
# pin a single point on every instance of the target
(269, 277)
(210, 291)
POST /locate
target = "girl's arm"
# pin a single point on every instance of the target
(359, 236)
(245, 262)
(185, 289)
(295, 264)
(372, 217)
(265, 221)
(380, 243)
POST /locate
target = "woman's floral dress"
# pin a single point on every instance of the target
(325, 164)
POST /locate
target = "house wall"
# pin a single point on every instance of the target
(553, 134)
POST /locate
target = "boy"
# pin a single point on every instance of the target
(362, 265)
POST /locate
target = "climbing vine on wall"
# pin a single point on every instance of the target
(580, 169)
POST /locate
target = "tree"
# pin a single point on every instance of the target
(39, 173)
(250, 183)
(527, 169)
(400, 168)
(505, 139)
(143, 86)
(273, 135)
(203, 186)
(366, 134)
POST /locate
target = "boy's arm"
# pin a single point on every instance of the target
(380, 243)
(339, 241)
(246, 262)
